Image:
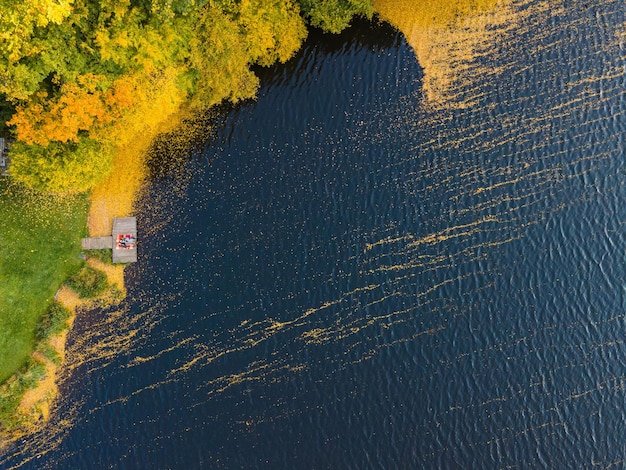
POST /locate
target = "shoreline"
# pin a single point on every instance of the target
(34, 403)
(114, 197)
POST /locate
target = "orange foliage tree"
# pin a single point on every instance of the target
(77, 108)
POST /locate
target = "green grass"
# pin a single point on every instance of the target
(39, 247)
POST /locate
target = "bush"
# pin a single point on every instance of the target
(53, 321)
(104, 256)
(49, 353)
(88, 282)
(12, 391)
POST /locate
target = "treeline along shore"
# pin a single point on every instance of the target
(74, 74)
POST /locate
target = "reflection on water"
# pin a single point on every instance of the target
(349, 278)
(451, 38)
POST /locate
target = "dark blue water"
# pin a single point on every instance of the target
(346, 276)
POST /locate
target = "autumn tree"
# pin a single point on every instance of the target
(231, 36)
(335, 15)
(73, 111)
(60, 167)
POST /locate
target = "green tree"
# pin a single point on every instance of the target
(230, 36)
(60, 167)
(335, 15)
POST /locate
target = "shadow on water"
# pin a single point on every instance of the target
(171, 152)
(375, 35)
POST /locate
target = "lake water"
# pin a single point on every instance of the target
(344, 274)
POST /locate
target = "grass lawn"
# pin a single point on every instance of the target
(39, 247)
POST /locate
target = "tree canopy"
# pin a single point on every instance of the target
(72, 70)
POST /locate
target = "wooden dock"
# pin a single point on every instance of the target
(122, 228)
(122, 242)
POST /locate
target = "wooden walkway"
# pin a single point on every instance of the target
(97, 243)
(122, 242)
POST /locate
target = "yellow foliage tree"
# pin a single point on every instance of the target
(60, 168)
(18, 20)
